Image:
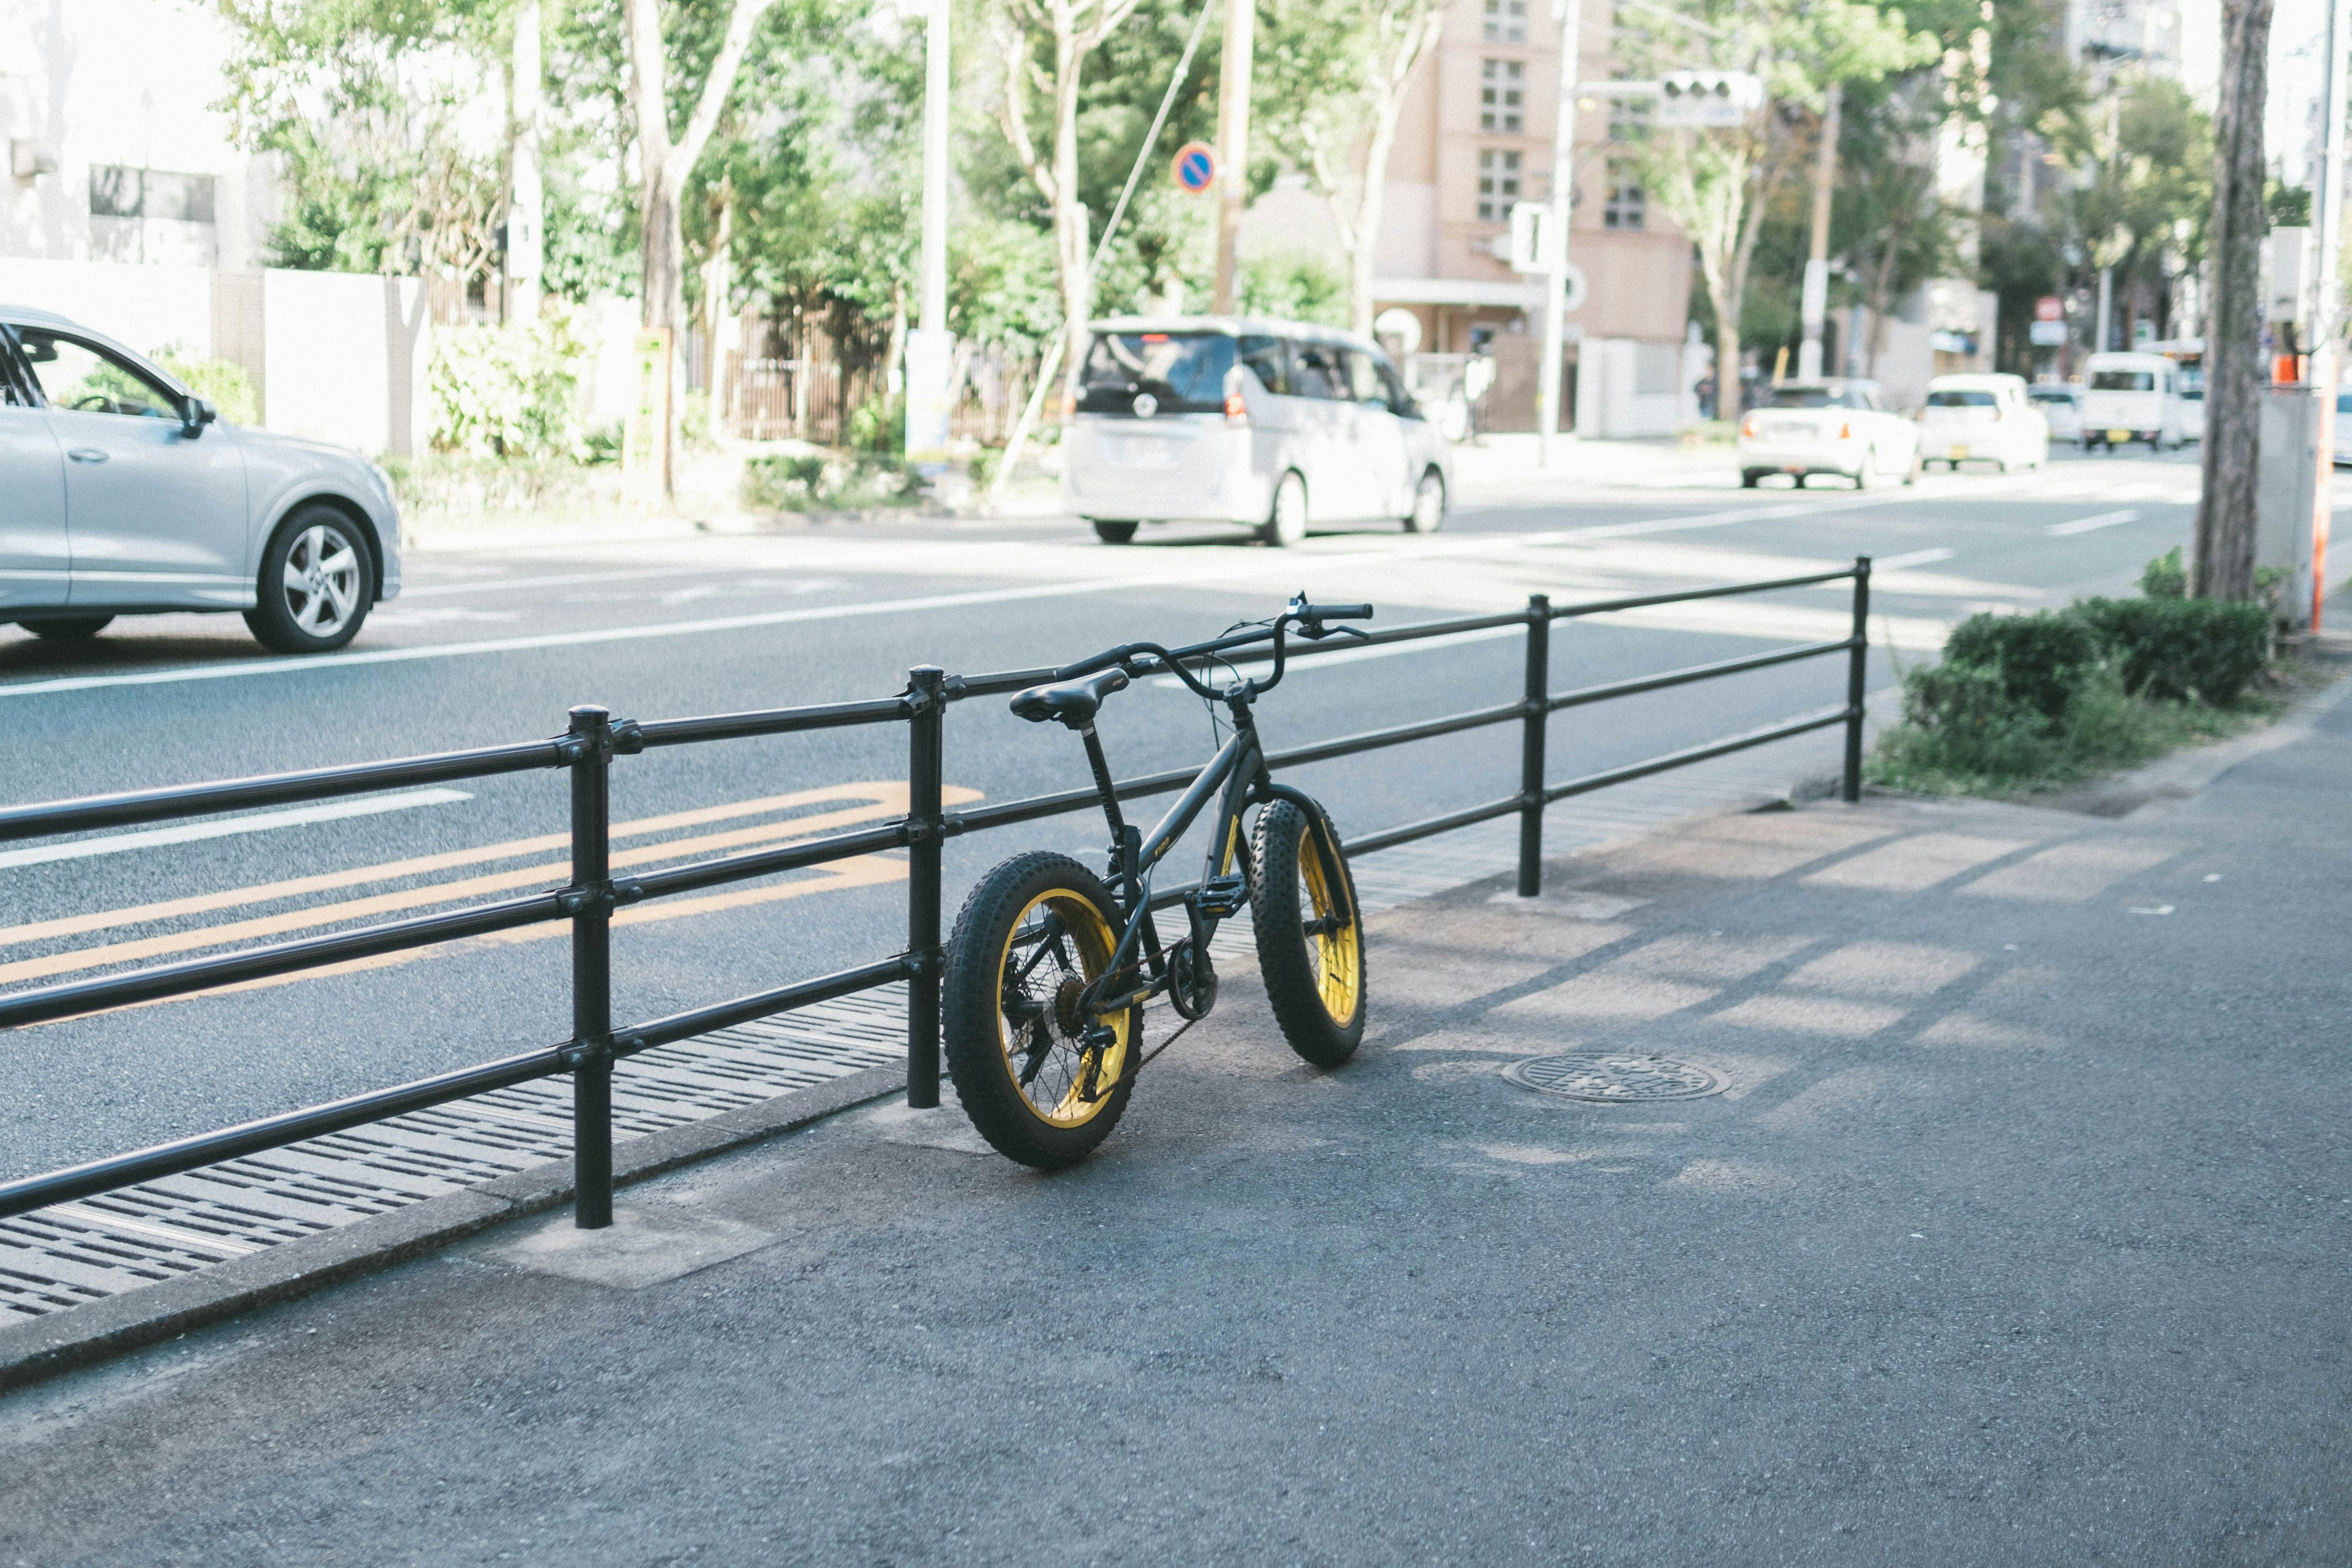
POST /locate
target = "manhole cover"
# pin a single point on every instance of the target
(1607, 1078)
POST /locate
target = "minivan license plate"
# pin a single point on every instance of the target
(2116, 437)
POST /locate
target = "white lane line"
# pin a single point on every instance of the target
(1316, 661)
(2086, 524)
(565, 580)
(260, 822)
(1916, 558)
(1273, 565)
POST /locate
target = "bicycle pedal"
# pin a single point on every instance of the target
(1222, 896)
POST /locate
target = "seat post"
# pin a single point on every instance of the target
(1103, 784)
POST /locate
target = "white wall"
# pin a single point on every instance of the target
(1626, 389)
(344, 358)
(128, 82)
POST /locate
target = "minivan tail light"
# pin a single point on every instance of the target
(1748, 426)
(1236, 410)
(1069, 405)
(1846, 431)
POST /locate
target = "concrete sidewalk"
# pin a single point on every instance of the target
(2016, 1234)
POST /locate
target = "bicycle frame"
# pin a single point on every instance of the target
(1239, 770)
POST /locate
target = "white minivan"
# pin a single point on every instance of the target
(1270, 423)
(2132, 397)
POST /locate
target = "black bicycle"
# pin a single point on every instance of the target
(1050, 967)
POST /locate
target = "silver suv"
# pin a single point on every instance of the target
(123, 493)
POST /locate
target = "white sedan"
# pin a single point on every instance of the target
(1983, 419)
(1842, 427)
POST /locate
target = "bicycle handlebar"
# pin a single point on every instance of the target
(1308, 618)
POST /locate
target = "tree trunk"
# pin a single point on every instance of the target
(1363, 253)
(2223, 565)
(1071, 245)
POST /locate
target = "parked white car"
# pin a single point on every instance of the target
(1275, 424)
(1983, 419)
(2061, 402)
(2343, 425)
(122, 494)
(1841, 427)
(2132, 398)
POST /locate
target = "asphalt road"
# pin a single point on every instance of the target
(491, 646)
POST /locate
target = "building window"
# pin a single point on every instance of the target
(119, 192)
(1627, 204)
(1629, 119)
(1498, 185)
(1502, 95)
(1507, 21)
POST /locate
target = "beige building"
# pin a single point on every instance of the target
(1476, 136)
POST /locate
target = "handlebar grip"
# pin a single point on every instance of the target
(1336, 612)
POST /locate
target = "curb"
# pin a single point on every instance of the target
(42, 1347)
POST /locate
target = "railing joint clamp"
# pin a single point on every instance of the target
(623, 892)
(628, 738)
(586, 1054)
(570, 749)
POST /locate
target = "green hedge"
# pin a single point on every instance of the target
(2105, 683)
(2180, 650)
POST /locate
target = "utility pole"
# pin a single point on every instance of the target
(2326, 314)
(1233, 143)
(526, 197)
(1570, 15)
(930, 347)
(1815, 305)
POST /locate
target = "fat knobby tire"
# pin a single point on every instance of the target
(1277, 913)
(970, 1001)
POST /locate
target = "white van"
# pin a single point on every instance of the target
(2132, 397)
(1271, 424)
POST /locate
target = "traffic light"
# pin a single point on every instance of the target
(1708, 98)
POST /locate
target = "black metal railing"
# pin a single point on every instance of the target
(586, 752)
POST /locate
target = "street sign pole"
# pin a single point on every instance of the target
(1233, 144)
(930, 347)
(1570, 14)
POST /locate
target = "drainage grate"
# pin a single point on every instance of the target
(67, 1253)
(1607, 1078)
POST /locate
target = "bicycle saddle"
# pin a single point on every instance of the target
(1074, 702)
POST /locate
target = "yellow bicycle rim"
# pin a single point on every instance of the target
(1338, 955)
(1068, 1085)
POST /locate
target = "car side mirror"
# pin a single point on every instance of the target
(197, 413)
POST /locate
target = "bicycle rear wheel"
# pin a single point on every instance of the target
(1030, 938)
(1310, 937)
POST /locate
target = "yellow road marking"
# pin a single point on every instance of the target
(858, 871)
(884, 800)
(890, 795)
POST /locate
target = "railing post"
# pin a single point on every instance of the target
(1532, 729)
(592, 969)
(926, 742)
(1857, 672)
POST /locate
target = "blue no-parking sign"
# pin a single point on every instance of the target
(1196, 166)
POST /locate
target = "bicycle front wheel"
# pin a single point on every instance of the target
(1310, 936)
(1030, 939)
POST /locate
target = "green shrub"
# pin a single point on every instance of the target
(2165, 577)
(2180, 650)
(1963, 720)
(2041, 661)
(508, 391)
(219, 382)
(813, 482)
(879, 424)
